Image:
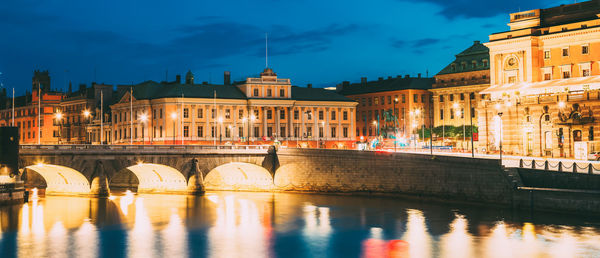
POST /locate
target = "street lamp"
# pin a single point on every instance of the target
(220, 130)
(58, 116)
(143, 118)
(500, 115)
(87, 114)
(174, 117)
(395, 131)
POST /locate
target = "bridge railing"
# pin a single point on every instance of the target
(143, 147)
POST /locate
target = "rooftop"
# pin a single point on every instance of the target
(476, 53)
(390, 84)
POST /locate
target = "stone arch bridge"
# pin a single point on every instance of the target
(94, 169)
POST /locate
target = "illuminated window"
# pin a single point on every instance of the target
(566, 74)
(585, 49)
(345, 115)
(442, 98)
(376, 101)
(200, 113)
(547, 76)
(333, 115)
(296, 114)
(585, 72)
(282, 93)
(240, 113)
(333, 132)
(320, 114)
(186, 113)
(345, 132)
(200, 131)
(565, 51)
(269, 93)
(546, 54)
(512, 79)
(255, 92)
(186, 131)
(269, 114)
(282, 114)
(227, 114)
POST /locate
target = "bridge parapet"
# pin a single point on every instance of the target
(141, 149)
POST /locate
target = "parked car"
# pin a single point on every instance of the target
(594, 155)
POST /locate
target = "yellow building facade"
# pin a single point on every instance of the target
(260, 110)
(545, 82)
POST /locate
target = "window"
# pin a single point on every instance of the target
(585, 49)
(240, 113)
(389, 98)
(269, 93)
(213, 113)
(255, 114)
(403, 98)
(345, 115)
(415, 98)
(333, 115)
(161, 131)
(256, 131)
(546, 54)
(296, 114)
(186, 113)
(309, 131)
(376, 101)
(296, 131)
(442, 98)
(227, 132)
(186, 131)
(161, 113)
(320, 114)
(591, 133)
(376, 114)
(485, 63)
(321, 132)
(212, 131)
(369, 99)
(240, 132)
(282, 114)
(269, 114)
(333, 132)
(423, 97)
(451, 97)
(281, 93)
(345, 132)
(512, 79)
(462, 96)
(364, 102)
(547, 76)
(200, 131)
(227, 114)
(382, 100)
(474, 64)
(566, 74)
(255, 92)
(462, 113)
(451, 113)
(309, 115)
(441, 114)
(472, 95)
(585, 72)
(565, 51)
(200, 113)
(282, 131)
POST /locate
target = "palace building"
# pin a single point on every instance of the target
(544, 98)
(405, 98)
(260, 110)
(456, 94)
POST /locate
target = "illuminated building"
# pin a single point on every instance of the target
(26, 112)
(377, 99)
(545, 83)
(456, 93)
(255, 111)
(80, 111)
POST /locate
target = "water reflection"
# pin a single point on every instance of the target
(234, 224)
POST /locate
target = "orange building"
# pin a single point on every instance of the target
(34, 129)
(260, 110)
(545, 84)
(407, 99)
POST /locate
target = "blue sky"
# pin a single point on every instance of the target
(310, 41)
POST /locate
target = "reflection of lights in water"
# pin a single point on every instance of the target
(32, 234)
(376, 233)
(236, 230)
(86, 240)
(317, 229)
(213, 198)
(416, 234)
(141, 237)
(126, 201)
(498, 244)
(112, 197)
(34, 194)
(565, 244)
(57, 240)
(24, 228)
(174, 238)
(458, 242)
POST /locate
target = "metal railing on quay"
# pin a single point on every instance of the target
(142, 147)
(559, 166)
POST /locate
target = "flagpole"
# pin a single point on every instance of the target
(13, 108)
(101, 117)
(131, 115)
(39, 110)
(182, 135)
(215, 117)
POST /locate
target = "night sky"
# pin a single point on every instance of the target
(310, 41)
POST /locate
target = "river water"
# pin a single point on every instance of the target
(244, 224)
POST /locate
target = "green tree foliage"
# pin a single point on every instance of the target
(449, 131)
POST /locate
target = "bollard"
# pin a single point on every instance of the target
(533, 164)
(560, 166)
(546, 165)
(574, 167)
(521, 163)
(590, 169)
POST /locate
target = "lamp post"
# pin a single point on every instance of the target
(319, 138)
(471, 120)
(86, 115)
(395, 131)
(457, 114)
(174, 117)
(418, 114)
(220, 130)
(500, 115)
(143, 118)
(58, 116)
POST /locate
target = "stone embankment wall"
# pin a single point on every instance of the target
(456, 178)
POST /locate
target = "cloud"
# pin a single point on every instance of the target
(486, 8)
(414, 45)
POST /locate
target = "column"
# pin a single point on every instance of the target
(352, 129)
(264, 125)
(207, 118)
(338, 130)
(289, 119)
(277, 116)
(302, 127)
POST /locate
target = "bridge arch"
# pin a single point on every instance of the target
(150, 178)
(61, 179)
(239, 176)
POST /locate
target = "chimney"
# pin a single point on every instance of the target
(363, 80)
(476, 42)
(419, 75)
(389, 77)
(227, 78)
(204, 83)
(407, 76)
(81, 87)
(398, 76)
(178, 78)
(345, 83)
(309, 85)
(380, 78)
